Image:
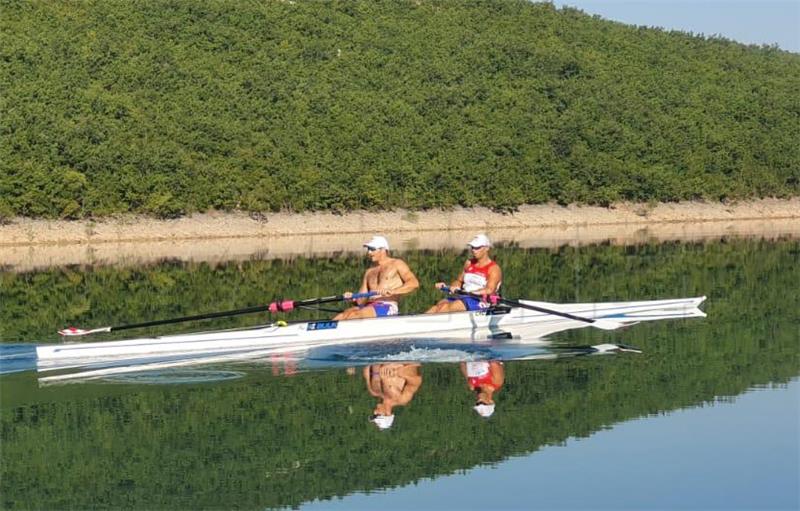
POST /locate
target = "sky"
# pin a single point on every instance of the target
(746, 21)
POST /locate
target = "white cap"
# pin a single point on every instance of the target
(480, 240)
(377, 242)
(483, 410)
(382, 421)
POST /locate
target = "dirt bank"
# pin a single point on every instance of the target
(26, 243)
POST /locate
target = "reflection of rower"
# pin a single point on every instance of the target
(484, 378)
(395, 384)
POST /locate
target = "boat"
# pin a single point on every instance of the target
(523, 319)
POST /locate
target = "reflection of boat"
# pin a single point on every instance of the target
(494, 323)
(178, 368)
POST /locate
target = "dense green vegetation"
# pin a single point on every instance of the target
(169, 107)
(267, 441)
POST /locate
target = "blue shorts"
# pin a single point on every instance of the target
(382, 308)
(471, 304)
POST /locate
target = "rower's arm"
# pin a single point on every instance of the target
(368, 380)
(498, 373)
(363, 289)
(492, 282)
(413, 383)
(410, 282)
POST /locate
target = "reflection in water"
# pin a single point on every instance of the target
(17, 357)
(179, 377)
(263, 439)
(484, 378)
(394, 384)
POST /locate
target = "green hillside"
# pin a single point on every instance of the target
(170, 107)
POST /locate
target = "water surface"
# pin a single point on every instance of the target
(705, 417)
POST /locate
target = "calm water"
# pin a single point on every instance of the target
(706, 417)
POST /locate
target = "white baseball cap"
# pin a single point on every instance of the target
(377, 242)
(480, 240)
(484, 410)
(382, 421)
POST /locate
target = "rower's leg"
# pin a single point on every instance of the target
(364, 312)
(455, 306)
(447, 306)
(346, 314)
(356, 313)
(437, 308)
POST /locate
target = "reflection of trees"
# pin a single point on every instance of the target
(268, 441)
(36, 304)
(282, 441)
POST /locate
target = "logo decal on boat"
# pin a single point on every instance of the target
(496, 311)
(323, 325)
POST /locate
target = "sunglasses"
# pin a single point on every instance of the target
(477, 248)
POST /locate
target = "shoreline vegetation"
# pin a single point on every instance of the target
(171, 109)
(28, 243)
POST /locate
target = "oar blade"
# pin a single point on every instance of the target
(75, 332)
(607, 324)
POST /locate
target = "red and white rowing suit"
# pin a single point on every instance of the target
(476, 277)
(478, 374)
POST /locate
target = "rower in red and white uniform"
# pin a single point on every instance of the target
(480, 276)
(484, 378)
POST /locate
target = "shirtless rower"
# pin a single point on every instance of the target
(394, 384)
(480, 275)
(390, 277)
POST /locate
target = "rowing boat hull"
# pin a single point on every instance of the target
(476, 326)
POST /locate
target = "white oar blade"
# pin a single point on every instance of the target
(75, 332)
(605, 324)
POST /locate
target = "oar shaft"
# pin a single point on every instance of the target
(279, 306)
(517, 303)
(210, 315)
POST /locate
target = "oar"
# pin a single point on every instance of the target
(603, 324)
(279, 306)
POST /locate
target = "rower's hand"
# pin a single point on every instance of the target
(348, 295)
(440, 285)
(385, 292)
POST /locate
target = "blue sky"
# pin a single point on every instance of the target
(746, 21)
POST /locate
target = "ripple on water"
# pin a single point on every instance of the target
(15, 358)
(174, 377)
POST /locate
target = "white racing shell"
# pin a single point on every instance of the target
(500, 322)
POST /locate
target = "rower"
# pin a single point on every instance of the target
(389, 277)
(394, 384)
(484, 378)
(480, 275)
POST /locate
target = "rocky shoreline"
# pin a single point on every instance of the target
(26, 243)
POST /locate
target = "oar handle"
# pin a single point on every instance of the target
(288, 305)
(489, 298)
(603, 324)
